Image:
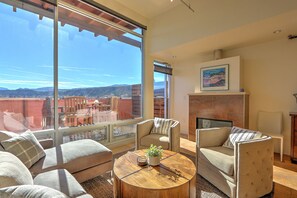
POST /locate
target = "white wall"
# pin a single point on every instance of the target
(269, 75)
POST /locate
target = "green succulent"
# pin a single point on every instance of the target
(154, 151)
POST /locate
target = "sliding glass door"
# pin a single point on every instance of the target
(162, 76)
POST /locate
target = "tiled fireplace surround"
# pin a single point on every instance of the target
(219, 106)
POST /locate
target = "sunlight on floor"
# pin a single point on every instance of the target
(285, 177)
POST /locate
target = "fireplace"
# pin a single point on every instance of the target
(202, 123)
(224, 106)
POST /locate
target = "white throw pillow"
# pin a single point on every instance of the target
(238, 135)
(26, 147)
(162, 126)
(13, 171)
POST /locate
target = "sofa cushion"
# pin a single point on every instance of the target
(13, 171)
(161, 126)
(29, 191)
(156, 139)
(60, 180)
(5, 135)
(26, 147)
(239, 134)
(74, 156)
(220, 157)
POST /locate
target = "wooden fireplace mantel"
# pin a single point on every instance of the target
(232, 106)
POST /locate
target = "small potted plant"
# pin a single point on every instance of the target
(154, 154)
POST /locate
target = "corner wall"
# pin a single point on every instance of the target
(270, 77)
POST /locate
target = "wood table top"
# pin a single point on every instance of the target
(174, 170)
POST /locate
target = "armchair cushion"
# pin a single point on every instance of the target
(156, 139)
(26, 147)
(161, 126)
(220, 157)
(238, 134)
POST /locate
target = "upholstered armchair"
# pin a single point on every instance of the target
(244, 171)
(168, 141)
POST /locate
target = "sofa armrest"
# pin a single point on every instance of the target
(46, 143)
(253, 167)
(211, 137)
(143, 129)
(174, 136)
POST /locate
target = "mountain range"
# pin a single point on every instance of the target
(92, 92)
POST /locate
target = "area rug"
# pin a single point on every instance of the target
(101, 186)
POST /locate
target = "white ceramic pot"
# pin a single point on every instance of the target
(154, 161)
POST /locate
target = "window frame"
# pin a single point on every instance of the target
(57, 133)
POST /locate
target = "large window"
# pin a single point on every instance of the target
(97, 70)
(97, 74)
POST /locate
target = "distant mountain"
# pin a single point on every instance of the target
(44, 89)
(118, 85)
(3, 88)
(92, 92)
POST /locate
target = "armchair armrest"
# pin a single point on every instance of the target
(174, 136)
(143, 129)
(211, 137)
(253, 167)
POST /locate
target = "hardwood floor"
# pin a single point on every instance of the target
(284, 173)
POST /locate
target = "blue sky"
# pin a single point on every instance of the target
(26, 55)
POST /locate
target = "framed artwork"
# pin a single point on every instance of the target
(214, 78)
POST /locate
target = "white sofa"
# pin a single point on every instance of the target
(61, 169)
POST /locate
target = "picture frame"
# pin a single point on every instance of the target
(214, 78)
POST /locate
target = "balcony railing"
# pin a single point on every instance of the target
(111, 121)
(159, 107)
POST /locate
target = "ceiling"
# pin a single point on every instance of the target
(149, 8)
(251, 34)
(256, 31)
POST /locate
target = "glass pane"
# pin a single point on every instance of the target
(123, 132)
(99, 135)
(99, 72)
(159, 94)
(26, 60)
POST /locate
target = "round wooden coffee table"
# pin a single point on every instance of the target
(174, 177)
